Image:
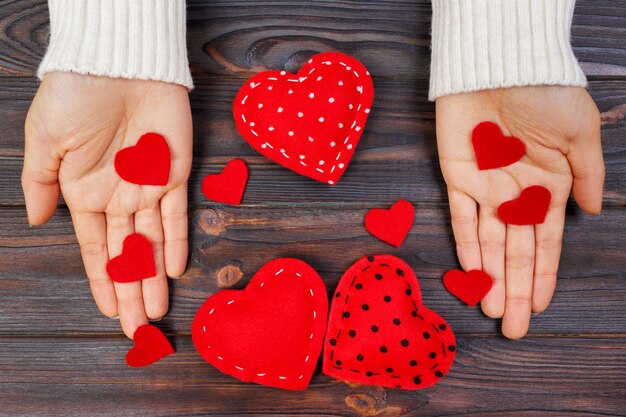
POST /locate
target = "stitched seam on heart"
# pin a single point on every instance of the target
(309, 349)
(368, 374)
(353, 128)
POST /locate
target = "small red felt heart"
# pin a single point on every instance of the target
(380, 333)
(270, 333)
(229, 185)
(493, 149)
(529, 208)
(470, 287)
(151, 345)
(393, 224)
(309, 122)
(146, 163)
(136, 261)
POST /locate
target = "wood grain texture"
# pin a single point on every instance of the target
(496, 377)
(590, 298)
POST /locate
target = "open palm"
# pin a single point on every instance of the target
(561, 129)
(74, 129)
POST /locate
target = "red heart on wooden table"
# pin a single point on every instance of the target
(493, 149)
(470, 287)
(309, 122)
(380, 333)
(529, 208)
(270, 333)
(136, 261)
(146, 163)
(151, 345)
(393, 224)
(229, 185)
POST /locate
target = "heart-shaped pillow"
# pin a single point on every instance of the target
(379, 333)
(270, 333)
(309, 122)
(146, 163)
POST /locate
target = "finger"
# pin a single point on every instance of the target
(548, 242)
(588, 169)
(464, 219)
(492, 237)
(129, 295)
(155, 301)
(175, 223)
(519, 267)
(91, 234)
(40, 180)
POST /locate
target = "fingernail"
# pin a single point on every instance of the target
(115, 318)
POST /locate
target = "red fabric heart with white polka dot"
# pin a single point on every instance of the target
(309, 122)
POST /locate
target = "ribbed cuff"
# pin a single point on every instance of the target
(140, 39)
(486, 44)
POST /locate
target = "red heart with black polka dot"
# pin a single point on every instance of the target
(309, 122)
(380, 333)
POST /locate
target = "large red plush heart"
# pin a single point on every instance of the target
(229, 185)
(270, 333)
(136, 261)
(151, 345)
(379, 333)
(470, 287)
(393, 224)
(529, 208)
(146, 163)
(493, 149)
(309, 122)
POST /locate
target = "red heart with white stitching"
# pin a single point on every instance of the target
(270, 333)
(309, 122)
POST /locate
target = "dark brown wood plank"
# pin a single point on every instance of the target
(495, 377)
(396, 157)
(42, 277)
(237, 37)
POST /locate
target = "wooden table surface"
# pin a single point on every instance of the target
(59, 356)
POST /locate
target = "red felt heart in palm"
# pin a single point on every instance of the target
(146, 163)
(136, 261)
(151, 345)
(529, 208)
(470, 287)
(391, 225)
(379, 333)
(270, 333)
(493, 149)
(309, 122)
(229, 185)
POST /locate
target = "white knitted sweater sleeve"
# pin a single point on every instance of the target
(486, 44)
(140, 39)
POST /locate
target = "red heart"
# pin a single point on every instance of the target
(379, 333)
(391, 225)
(309, 122)
(270, 333)
(229, 185)
(136, 261)
(151, 345)
(493, 149)
(146, 163)
(529, 208)
(469, 287)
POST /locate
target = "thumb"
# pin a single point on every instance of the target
(587, 165)
(40, 179)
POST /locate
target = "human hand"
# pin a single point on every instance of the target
(75, 126)
(561, 129)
